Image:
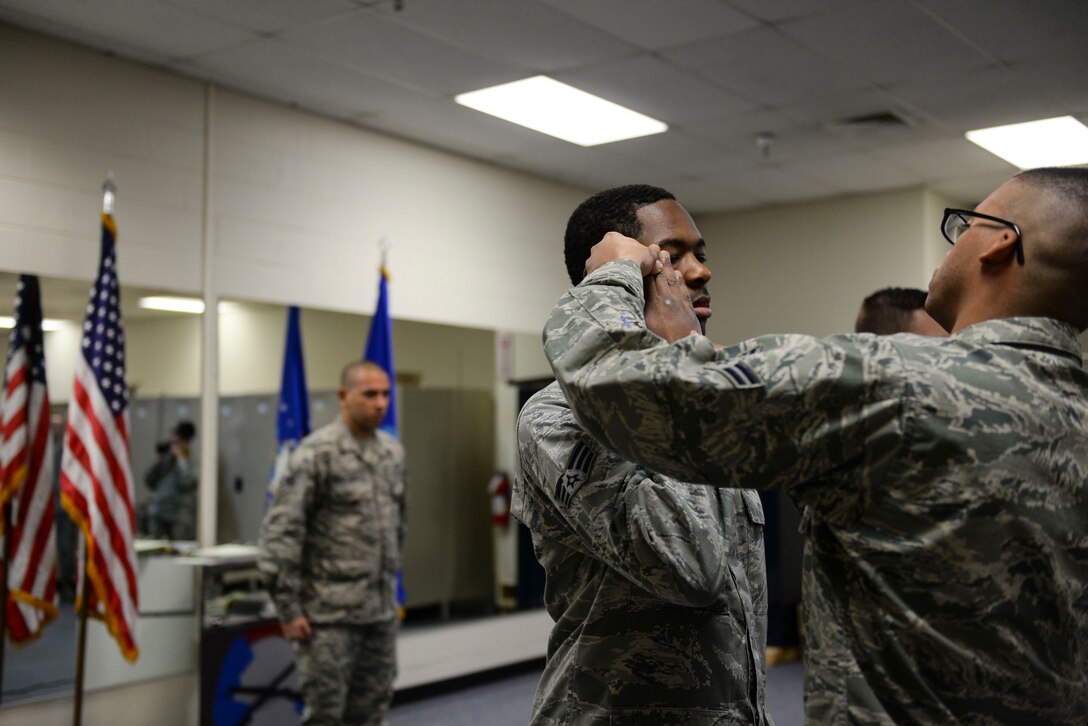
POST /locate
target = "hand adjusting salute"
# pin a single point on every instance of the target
(669, 310)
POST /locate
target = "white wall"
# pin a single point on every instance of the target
(67, 116)
(297, 202)
(805, 268)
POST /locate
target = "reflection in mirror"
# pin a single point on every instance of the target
(457, 562)
(445, 382)
(162, 358)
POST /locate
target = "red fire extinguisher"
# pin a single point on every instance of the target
(499, 489)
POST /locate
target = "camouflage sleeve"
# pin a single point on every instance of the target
(283, 535)
(771, 413)
(667, 538)
(188, 478)
(402, 503)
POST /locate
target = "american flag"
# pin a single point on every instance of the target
(96, 469)
(26, 472)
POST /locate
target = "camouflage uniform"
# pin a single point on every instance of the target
(172, 511)
(657, 589)
(330, 549)
(944, 481)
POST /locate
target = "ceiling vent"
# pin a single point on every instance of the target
(871, 123)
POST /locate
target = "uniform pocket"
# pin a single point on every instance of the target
(753, 507)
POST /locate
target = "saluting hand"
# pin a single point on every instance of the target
(669, 312)
(614, 246)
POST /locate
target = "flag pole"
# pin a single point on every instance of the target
(81, 646)
(109, 193)
(4, 590)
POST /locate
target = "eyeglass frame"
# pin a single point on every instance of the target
(948, 212)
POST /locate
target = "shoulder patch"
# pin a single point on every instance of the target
(577, 472)
(741, 374)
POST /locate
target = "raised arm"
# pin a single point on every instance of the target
(770, 413)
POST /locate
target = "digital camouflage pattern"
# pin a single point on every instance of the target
(944, 485)
(171, 512)
(657, 588)
(363, 659)
(330, 549)
(331, 540)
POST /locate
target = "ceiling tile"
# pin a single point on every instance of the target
(999, 95)
(947, 157)
(164, 32)
(1016, 31)
(886, 41)
(378, 47)
(718, 71)
(447, 125)
(656, 25)
(780, 10)
(286, 74)
(524, 34)
(766, 66)
(651, 86)
(265, 16)
(679, 156)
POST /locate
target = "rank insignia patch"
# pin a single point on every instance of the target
(578, 466)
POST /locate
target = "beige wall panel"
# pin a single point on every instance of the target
(805, 268)
(67, 116)
(301, 203)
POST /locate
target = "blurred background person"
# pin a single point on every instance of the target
(173, 483)
(896, 310)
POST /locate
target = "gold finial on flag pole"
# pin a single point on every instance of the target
(109, 193)
(384, 245)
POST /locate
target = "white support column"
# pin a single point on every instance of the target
(207, 521)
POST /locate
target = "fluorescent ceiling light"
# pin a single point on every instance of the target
(173, 304)
(1061, 141)
(556, 109)
(48, 324)
(179, 304)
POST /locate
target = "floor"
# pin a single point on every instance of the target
(43, 667)
(506, 699)
(497, 699)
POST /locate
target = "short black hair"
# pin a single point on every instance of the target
(1067, 181)
(185, 430)
(613, 210)
(889, 311)
(1069, 184)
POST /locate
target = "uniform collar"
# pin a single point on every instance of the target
(1048, 333)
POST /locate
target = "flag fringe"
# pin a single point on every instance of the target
(129, 650)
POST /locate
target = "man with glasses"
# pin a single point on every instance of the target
(945, 479)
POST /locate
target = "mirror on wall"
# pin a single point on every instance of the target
(445, 390)
(457, 563)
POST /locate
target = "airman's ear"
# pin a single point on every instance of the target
(1001, 250)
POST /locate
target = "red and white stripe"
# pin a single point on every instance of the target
(96, 490)
(26, 470)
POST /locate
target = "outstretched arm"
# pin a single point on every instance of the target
(774, 412)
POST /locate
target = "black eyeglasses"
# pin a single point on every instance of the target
(958, 221)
